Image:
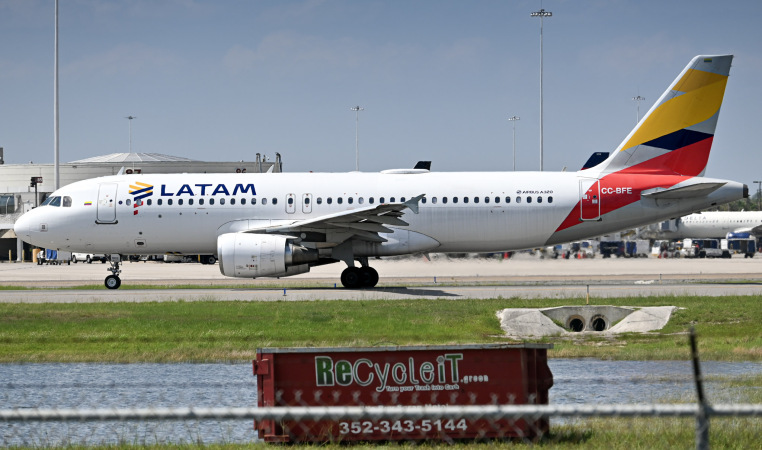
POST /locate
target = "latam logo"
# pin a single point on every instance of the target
(209, 189)
(139, 191)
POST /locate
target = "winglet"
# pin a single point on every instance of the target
(413, 203)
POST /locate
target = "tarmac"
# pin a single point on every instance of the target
(522, 276)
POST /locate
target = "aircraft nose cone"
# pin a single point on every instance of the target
(22, 227)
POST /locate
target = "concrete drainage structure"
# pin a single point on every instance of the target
(522, 322)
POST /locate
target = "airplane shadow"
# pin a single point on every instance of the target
(423, 292)
(412, 291)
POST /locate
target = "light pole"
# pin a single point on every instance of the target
(513, 120)
(56, 163)
(759, 195)
(357, 110)
(130, 119)
(638, 99)
(542, 14)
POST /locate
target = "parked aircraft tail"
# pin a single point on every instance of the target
(675, 136)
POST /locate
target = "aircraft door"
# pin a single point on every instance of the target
(106, 203)
(590, 199)
(307, 203)
(290, 203)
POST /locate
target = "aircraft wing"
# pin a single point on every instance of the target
(362, 223)
(693, 190)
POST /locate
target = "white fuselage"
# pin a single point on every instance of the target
(463, 212)
(714, 224)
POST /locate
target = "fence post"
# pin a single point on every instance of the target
(702, 418)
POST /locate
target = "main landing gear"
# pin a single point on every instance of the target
(359, 277)
(113, 281)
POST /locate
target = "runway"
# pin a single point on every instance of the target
(521, 277)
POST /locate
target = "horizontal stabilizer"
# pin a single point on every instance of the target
(694, 190)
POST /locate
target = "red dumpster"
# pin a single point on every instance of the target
(402, 376)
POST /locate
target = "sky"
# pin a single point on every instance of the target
(438, 79)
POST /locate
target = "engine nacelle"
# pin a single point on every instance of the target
(251, 255)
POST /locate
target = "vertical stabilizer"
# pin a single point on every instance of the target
(676, 134)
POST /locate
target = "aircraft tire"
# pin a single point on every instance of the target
(113, 282)
(351, 278)
(211, 260)
(368, 277)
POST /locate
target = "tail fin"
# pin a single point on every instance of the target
(676, 134)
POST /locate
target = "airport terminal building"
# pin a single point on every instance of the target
(24, 186)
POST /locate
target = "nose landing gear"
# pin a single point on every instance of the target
(113, 281)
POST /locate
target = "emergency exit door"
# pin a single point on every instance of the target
(590, 199)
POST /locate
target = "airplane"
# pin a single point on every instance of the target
(282, 224)
(712, 224)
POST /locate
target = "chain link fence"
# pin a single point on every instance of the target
(55, 405)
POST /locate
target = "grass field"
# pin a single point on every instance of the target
(727, 327)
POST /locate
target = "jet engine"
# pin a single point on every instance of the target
(251, 255)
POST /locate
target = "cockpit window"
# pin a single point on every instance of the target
(53, 201)
(67, 202)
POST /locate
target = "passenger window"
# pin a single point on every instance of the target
(381, 200)
(129, 202)
(264, 201)
(486, 199)
(539, 199)
(350, 200)
(201, 201)
(306, 200)
(243, 201)
(159, 202)
(330, 200)
(423, 200)
(550, 199)
(529, 199)
(497, 199)
(444, 200)
(149, 202)
(465, 199)
(434, 200)
(290, 200)
(340, 200)
(211, 201)
(320, 200)
(190, 201)
(254, 201)
(275, 201)
(507, 199)
(391, 200)
(222, 201)
(67, 202)
(518, 199)
(180, 201)
(402, 199)
(169, 201)
(476, 199)
(232, 201)
(455, 199)
(371, 201)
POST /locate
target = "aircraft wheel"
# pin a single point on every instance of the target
(113, 282)
(351, 278)
(368, 277)
(89, 260)
(211, 260)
